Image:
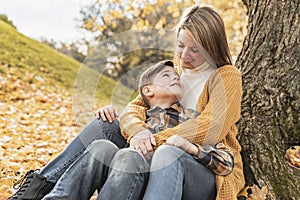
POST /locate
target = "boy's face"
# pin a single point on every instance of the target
(166, 84)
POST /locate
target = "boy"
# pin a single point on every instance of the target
(162, 90)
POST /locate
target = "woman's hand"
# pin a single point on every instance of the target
(143, 141)
(107, 113)
(182, 143)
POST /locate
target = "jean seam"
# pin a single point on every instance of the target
(176, 187)
(136, 179)
(132, 188)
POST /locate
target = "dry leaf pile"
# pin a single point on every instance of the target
(36, 123)
(292, 156)
(254, 193)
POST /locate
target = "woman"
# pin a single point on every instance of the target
(219, 103)
(213, 90)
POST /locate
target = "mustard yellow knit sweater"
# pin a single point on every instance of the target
(219, 105)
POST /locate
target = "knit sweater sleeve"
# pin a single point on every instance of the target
(220, 113)
(132, 118)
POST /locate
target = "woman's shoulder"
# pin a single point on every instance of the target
(227, 73)
(228, 69)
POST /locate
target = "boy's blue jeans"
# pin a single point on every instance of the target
(116, 174)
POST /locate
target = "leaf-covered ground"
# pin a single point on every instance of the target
(36, 123)
(36, 91)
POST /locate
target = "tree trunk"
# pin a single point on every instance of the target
(269, 62)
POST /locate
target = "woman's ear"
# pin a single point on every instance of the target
(147, 91)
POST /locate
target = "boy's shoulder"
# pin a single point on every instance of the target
(189, 114)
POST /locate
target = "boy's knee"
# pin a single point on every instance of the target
(129, 154)
(167, 151)
(130, 160)
(100, 147)
(164, 156)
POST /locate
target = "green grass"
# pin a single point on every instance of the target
(30, 57)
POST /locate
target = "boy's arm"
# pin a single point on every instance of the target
(219, 159)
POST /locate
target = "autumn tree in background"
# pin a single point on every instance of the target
(270, 121)
(108, 18)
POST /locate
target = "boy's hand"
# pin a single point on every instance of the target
(143, 141)
(107, 113)
(182, 143)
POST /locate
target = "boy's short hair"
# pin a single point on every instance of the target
(148, 75)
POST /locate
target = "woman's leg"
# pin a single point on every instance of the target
(175, 174)
(86, 174)
(127, 177)
(95, 130)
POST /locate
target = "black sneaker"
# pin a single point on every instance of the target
(32, 186)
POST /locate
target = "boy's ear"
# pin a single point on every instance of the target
(147, 91)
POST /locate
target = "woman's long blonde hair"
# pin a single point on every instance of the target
(207, 28)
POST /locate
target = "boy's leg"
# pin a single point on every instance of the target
(38, 185)
(86, 174)
(127, 177)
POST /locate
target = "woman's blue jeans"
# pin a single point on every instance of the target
(176, 175)
(95, 130)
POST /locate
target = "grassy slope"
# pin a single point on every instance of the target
(39, 60)
(31, 56)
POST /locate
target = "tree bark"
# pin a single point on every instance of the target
(269, 62)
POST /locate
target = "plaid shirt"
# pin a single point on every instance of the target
(217, 158)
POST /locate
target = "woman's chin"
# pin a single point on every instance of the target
(188, 66)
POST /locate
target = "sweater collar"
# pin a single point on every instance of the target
(200, 69)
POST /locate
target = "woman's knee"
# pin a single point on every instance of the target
(109, 126)
(112, 132)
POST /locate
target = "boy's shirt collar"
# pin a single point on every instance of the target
(159, 119)
(176, 106)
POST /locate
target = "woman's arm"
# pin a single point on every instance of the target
(221, 110)
(133, 117)
(133, 126)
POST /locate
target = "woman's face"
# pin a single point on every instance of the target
(188, 50)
